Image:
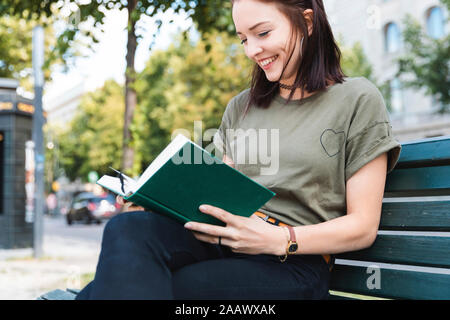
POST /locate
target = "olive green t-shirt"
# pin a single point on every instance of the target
(306, 150)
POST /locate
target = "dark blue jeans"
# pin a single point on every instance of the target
(145, 255)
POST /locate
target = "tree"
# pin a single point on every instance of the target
(208, 15)
(179, 85)
(187, 82)
(427, 60)
(16, 49)
(149, 136)
(354, 63)
(93, 140)
(208, 77)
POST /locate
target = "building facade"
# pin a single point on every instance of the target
(377, 25)
(61, 108)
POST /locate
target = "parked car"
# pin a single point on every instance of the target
(88, 207)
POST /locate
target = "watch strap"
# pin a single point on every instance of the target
(292, 240)
(291, 233)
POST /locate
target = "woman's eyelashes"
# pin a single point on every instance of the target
(261, 35)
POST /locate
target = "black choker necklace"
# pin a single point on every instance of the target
(287, 87)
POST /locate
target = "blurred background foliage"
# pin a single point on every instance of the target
(15, 49)
(189, 81)
(93, 140)
(184, 83)
(426, 62)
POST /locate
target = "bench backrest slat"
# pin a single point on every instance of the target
(392, 283)
(435, 151)
(410, 250)
(418, 215)
(418, 181)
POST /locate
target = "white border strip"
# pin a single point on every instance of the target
(390, 266)
(415, 233)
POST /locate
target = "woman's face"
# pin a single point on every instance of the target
(266, 35)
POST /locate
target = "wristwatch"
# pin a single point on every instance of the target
(292, 245)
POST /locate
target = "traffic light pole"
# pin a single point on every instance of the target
(38, 139)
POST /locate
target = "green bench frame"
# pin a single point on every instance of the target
(410, 258)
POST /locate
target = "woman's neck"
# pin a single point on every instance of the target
(284, 93)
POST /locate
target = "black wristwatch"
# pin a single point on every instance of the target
(292, 244)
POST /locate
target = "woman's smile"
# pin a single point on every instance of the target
(267, 62)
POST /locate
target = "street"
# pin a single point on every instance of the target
(69, 261)
(57, 226)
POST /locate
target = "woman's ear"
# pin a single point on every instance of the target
(309, 17)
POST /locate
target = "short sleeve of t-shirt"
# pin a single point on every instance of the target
(370, 134)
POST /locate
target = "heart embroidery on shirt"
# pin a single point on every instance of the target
(332, 142)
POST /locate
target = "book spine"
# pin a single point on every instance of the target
(156, 206)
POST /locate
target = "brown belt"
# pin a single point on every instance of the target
(277, 222)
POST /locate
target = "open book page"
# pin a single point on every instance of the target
(113, 184)
(168, 152)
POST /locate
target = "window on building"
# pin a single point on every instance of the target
(436, 23)
(392, 38)
(396, 96)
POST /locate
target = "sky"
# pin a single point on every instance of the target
(108, 59)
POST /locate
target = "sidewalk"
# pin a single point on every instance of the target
(66, 263)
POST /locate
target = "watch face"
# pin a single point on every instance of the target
(293, 247)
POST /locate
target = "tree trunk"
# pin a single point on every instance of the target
(130, 92)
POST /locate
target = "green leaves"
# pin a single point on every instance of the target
(178, 86)
(427, 60)
(93, 140)
(207, 15)
(30, 9)
(16, 47)
(354, 62)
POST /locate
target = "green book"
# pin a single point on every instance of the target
(183, 177)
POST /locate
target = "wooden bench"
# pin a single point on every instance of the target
(410, 258)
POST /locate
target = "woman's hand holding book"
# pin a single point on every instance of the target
(127, 205)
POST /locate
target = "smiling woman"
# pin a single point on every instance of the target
(333, 144)
(292, 45)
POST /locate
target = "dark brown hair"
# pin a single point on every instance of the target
(320, 54)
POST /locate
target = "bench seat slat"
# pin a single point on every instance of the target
(400, 284)
(412, 250)
(418, 181)
(423, 216)
(58, 294)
